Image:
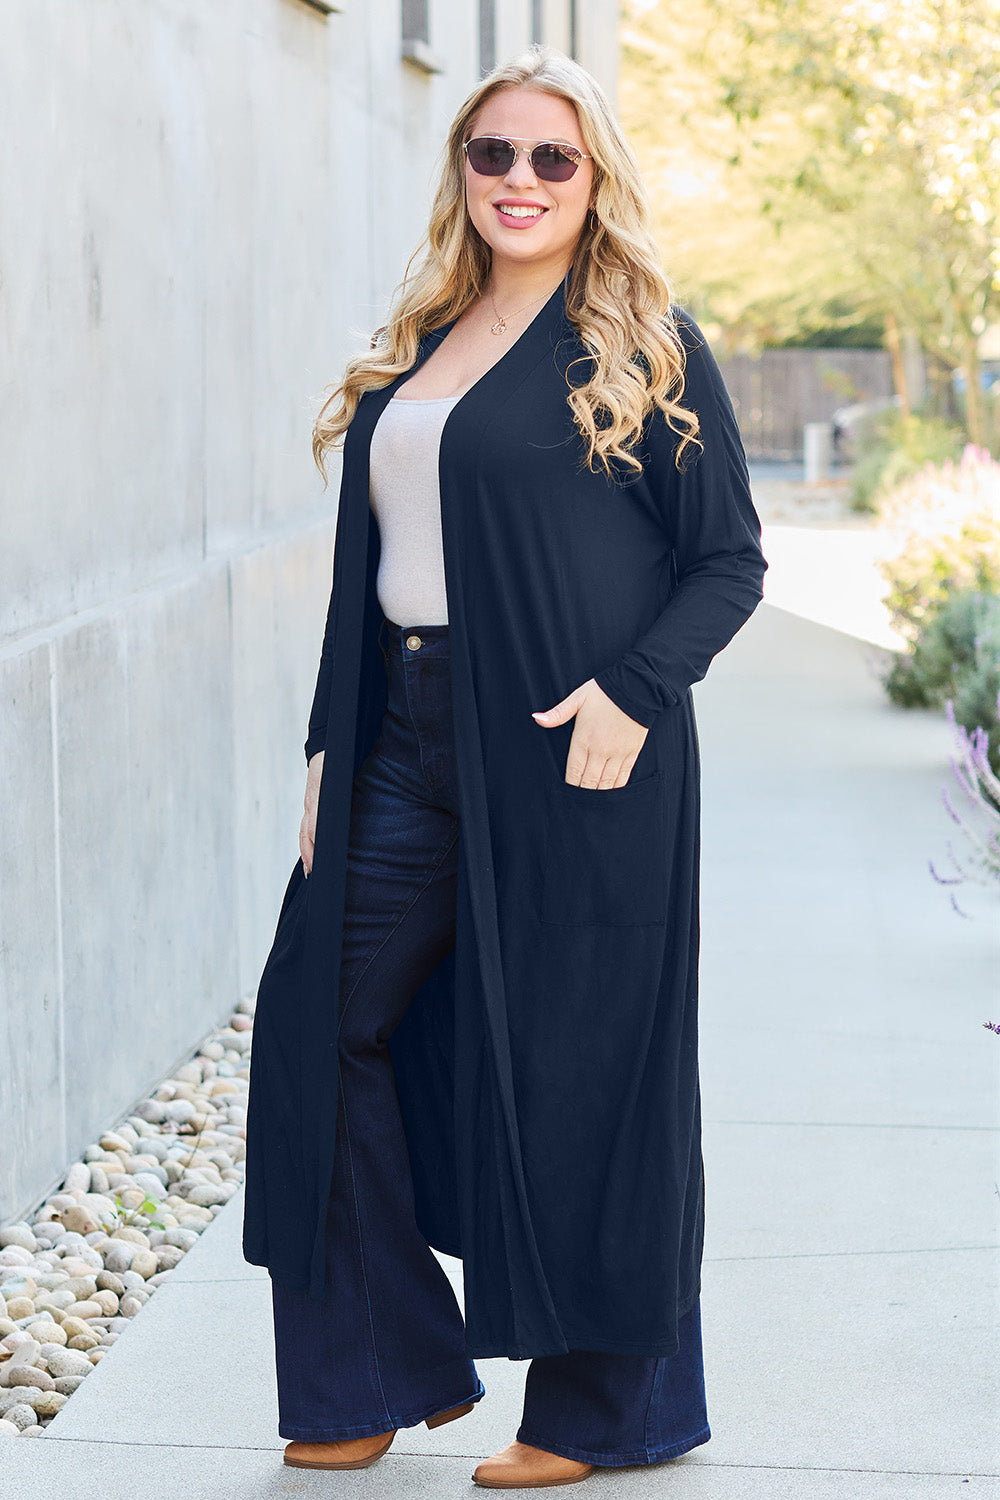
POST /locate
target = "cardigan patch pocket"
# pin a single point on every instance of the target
(605, 855)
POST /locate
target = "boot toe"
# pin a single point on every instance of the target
(349, 1453)
(520, 1466)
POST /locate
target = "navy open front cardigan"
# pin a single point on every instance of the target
(548, 1069)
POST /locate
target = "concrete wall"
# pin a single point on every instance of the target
(203, 210)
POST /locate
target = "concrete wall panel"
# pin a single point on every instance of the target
(146, 837)
(513, 29)
(597, 44)
(279, 599)
(181, 793)
(31, 1117)
(102, 898)
(555, 19)
(103, 253)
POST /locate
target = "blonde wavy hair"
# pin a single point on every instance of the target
(618, 299)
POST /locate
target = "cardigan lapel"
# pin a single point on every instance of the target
(541, 335)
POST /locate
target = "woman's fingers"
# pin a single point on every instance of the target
(307, 834)
(599, 771)
(600, 774)
(605, 743)
(307, 828)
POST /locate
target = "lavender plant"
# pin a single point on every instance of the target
(980, 819)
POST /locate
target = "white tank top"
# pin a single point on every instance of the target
(405, 496)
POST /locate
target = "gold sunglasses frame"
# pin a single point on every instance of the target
(512, 140)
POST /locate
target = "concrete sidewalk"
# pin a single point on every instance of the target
(850, 1109)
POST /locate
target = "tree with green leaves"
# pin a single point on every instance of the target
(815, 162)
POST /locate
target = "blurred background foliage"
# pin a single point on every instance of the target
(828, 174)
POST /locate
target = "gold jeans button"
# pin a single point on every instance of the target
(414, 642)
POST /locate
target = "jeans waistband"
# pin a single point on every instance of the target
(404, 642)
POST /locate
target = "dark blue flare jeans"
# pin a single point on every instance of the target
(387, 1350)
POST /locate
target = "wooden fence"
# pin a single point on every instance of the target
(779, 391)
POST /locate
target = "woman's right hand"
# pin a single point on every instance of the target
(307, 829)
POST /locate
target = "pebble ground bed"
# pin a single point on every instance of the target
(77, 1270)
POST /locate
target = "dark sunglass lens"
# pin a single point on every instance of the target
(490, 157)
(553, 164)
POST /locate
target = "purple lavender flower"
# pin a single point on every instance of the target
(980, 823)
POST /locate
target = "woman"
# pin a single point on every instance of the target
(545, 533)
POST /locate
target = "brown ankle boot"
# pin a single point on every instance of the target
(349, 1453)
(358, 1453)
(519, 1466)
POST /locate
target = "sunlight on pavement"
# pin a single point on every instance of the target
(829, 575)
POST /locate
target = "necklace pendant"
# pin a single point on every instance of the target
(499, 326)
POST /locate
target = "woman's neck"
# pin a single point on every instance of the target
(512, 284)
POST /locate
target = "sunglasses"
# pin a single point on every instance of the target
(551, 161)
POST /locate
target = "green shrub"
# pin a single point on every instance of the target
(959, 641)
(976, 691)
(956, 658)
(941, 530)
(941, 560)
(892, 447)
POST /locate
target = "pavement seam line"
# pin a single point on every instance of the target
(847, 1254)
(465, 1457)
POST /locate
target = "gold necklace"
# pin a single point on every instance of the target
(500, 326)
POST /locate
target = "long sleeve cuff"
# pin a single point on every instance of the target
(629, 692)
(315, 743)
(717, 563)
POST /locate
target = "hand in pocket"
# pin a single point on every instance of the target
(605, 742)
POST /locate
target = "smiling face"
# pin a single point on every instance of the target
(548, 217)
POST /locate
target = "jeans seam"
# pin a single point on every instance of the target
(438, 862)
(416, 731)
(347, 1130)
(649, 1405)
(361, 1257)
